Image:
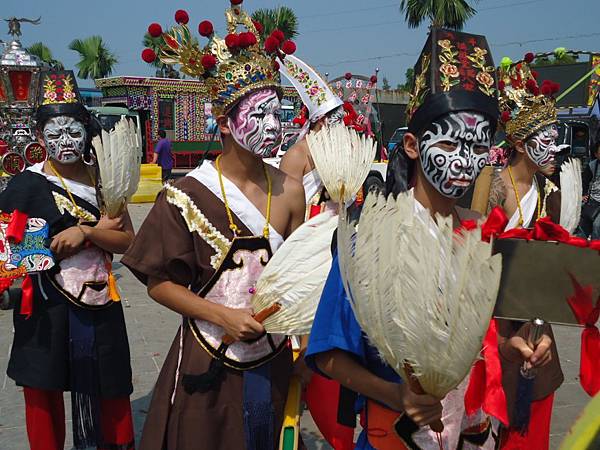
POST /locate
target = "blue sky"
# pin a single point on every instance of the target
(336, 36)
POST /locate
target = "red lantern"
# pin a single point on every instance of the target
(20, 81)
(35, 153)
(13, 163)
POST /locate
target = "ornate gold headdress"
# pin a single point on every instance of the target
(525, 107)
(232, 67)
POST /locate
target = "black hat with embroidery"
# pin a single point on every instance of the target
(455, 72)
(59, 96)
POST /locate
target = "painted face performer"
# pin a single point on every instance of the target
(452, 116)
(324, 108)
(528, 116)
(217, 228)
(70, 331)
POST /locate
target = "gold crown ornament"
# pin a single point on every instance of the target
(231, 68)
(525, 106)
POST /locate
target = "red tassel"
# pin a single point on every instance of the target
(587, 314)
(27, 297)
(485, 385)
(16, 227)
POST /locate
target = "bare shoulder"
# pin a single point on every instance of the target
(291, 186)
(295, 160)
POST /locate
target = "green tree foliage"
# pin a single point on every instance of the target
(441, 13)
(385, 84)
(95, 59)
(45, 54)
(282, 18)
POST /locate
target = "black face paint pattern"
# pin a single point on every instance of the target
(64, 138)
(541, 147)
(453, 151)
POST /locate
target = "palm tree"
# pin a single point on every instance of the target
(442, 13)
(282, 18)
(96, 60)
(45, 54)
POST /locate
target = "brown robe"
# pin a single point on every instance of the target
(165, 249)
(550, 377)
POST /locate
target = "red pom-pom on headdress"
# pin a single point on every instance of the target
(529, 57)
(505, 117)
(535, 74)
(232, 41)
(243, 40)
(154, 30)
(206, 28)
(348, 76)
(373, 79)
(288, 47)
(181, 16)
(501, 85)
(148, 55)
(555, 87)
(237, 2)
(208, 61)
(531, 85)
(271, 44)
(251, 38)
(278, 34)
(546, 89)
(259, 26)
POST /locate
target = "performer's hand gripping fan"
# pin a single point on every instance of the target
(411, 279)
(119, 157)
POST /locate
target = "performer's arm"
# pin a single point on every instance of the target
(294, 162)
(298, 208)
(341, 366)
(237, 323)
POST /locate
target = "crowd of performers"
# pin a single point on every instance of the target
(209, 235)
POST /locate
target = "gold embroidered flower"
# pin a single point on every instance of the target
(445, 44)
(485, 78)
(479, 52)
(449, 70)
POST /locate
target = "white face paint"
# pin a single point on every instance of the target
(256, 124)
(541, 147)
(335, 117)
(453, 151)
(64, 138)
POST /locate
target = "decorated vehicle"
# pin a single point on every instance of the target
(19, 78)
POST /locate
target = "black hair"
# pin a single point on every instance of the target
(162, 133)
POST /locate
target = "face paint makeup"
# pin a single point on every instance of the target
(64, 138)
(256, 124)
(541, 147)
(453, 150)
(335, 117)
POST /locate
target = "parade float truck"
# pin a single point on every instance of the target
(578, 73)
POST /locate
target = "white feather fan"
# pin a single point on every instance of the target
(119, 157)
(295, 276)
(570, 194)
(423, 294)
(343, 159)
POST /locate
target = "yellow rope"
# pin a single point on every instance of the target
(64, 185)
(539, 199)
(232, 226)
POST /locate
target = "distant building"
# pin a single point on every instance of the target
(91, 97)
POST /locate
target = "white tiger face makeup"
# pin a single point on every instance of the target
(64, 138)
(256, 124)
(541, 147)
(453, 151)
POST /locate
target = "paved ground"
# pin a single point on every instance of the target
(151, 329)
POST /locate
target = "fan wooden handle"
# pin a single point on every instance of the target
(416, 387)
(260, 317)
